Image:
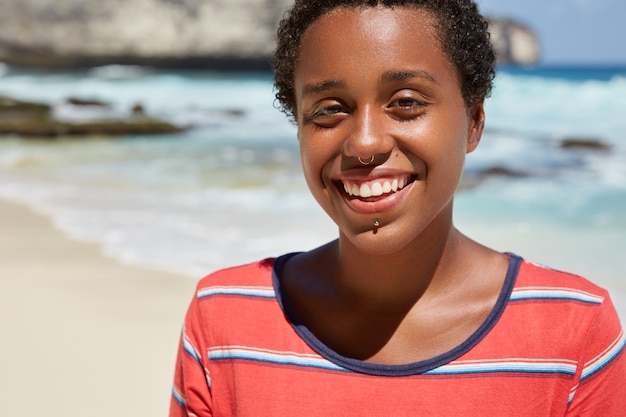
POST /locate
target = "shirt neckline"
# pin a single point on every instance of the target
(413, 368)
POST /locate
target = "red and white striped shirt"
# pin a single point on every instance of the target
(552, 346)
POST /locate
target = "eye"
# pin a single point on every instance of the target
(408, 102)
(326, 116)
(407, 108)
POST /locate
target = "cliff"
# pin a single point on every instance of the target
(514, 42)
(219, 34)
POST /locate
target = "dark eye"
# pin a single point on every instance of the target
(407, 108)
(408, 102)
(327, 111)
(326, 116)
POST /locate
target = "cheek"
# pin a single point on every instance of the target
(312, 165)
(446, 156)
(314, 152)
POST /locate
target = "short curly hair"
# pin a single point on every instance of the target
(462, 30)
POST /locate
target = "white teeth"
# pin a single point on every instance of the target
(377, 189)
(365, 191)
(374, 188)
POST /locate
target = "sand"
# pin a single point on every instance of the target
(82, 334)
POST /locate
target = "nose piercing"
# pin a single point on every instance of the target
(366, 162)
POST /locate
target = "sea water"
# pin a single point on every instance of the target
(230, 190)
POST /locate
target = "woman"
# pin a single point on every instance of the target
(402, 314)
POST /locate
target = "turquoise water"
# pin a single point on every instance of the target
(229, 190)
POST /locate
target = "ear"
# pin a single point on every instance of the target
(475, 127)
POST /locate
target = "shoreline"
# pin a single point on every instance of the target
(82, 333)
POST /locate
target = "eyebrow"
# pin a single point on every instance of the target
(315, 88)
(391, 76)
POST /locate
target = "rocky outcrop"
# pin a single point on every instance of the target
(30, 119)
(154, 32)
(585, 144)
(514, 42)
(220, 34)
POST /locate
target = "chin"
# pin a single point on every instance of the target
(382, 241)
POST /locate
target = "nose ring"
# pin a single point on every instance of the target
(366, 162)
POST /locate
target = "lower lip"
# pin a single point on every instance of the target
(375, 204)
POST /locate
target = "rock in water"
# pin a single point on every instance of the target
(585, 143)
(31, 119)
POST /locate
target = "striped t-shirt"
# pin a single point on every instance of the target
(552, 346)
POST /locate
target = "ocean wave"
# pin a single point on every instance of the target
(119, 72)
(231, 189)
(538, 105)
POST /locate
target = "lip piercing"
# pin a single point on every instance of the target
(366, 162)
(376, 223)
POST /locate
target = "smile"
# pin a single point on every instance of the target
(377, 187)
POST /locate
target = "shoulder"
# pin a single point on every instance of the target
(229, 290)
(255, 273)
(560, 297)
(555, 314)
(539, 281)
(231, 302)
(569, 318)
(232, 307)
(564, 306)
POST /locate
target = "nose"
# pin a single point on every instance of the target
(368, 136)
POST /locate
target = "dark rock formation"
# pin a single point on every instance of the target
(29, 119)
(585, 143)
(472, 179)
(218, 34)
(501, 171)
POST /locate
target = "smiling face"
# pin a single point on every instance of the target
(374, 82)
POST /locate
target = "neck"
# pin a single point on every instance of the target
(395, 282)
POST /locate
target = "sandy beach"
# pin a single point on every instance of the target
(82, 334)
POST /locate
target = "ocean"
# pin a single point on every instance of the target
(229, 190)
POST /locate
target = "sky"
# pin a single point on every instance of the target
(584, 32)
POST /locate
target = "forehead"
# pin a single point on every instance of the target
(377, 18)
(370, 38)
